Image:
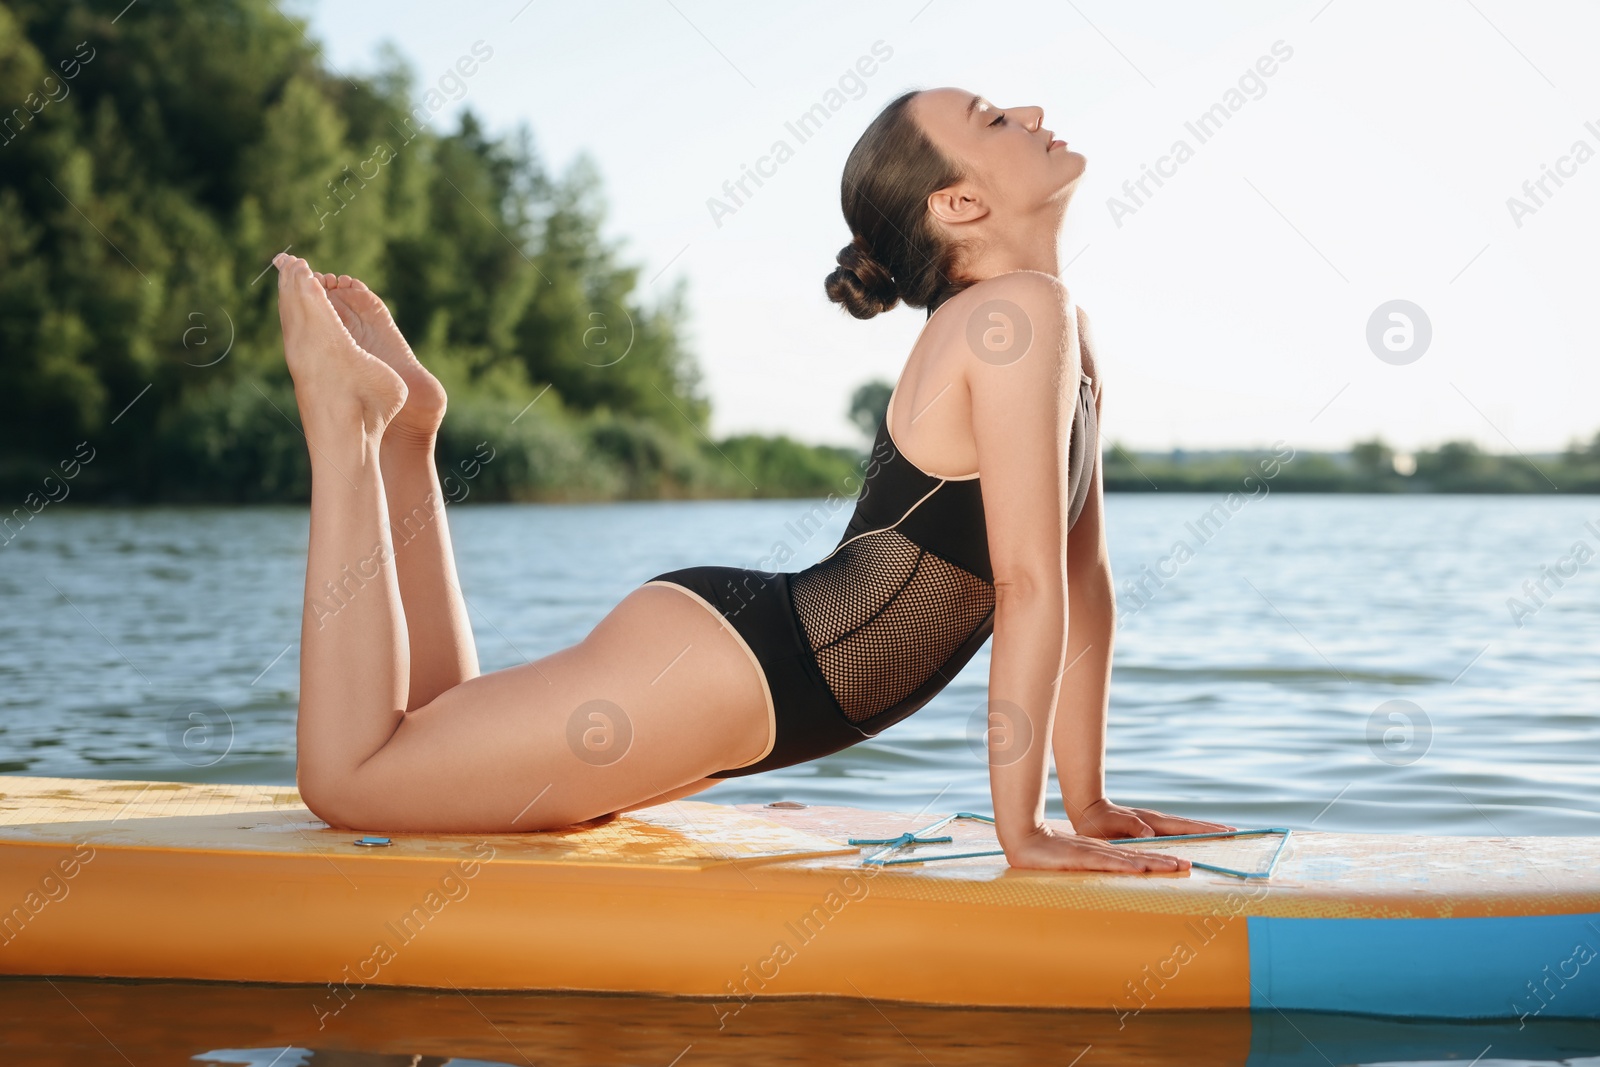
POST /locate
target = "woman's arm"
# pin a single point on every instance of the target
(1079, 739)
(1023, 387)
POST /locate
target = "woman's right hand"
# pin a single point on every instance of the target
(1048, 850)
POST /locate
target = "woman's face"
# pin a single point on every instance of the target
(1008, 153)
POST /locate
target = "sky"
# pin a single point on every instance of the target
(1439, 153)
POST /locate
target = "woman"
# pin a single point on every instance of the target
(709, 672)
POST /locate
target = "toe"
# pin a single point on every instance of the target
(293, 272)
(344, 281)
(305, 280)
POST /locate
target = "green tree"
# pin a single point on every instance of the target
(1373, 458)
(869, 404)
(183, 145)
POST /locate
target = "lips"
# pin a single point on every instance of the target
(1054, 144)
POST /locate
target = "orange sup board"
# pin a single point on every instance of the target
(242, 883)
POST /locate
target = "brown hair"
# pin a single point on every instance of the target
(895, 253)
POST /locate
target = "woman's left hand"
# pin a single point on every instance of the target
(1109, 822)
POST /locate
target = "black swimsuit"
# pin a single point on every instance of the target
(871, 632)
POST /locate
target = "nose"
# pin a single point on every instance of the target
(1038, 119)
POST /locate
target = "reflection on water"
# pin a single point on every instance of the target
(1343, 662)
(67, 1021)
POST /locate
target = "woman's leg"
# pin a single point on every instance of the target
(441, 646)
(658, 695)
(354, 663)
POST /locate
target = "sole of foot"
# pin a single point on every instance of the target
(367, 319)
(340, 387)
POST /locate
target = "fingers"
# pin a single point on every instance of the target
(1154, 861)
(1137, 860)
(1160, 861)
(1177, 824)
(1121, 827)
(1079, 853)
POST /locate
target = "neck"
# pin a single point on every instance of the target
(1029, 243)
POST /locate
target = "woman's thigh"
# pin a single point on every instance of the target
(673, 794)
(659, 695)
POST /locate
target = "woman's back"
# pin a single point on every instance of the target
(907, 597)
(871, 632)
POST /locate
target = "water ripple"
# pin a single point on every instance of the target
(1254, 685)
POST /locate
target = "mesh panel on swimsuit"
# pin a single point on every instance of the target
(882, 614)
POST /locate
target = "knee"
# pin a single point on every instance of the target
(328, 800)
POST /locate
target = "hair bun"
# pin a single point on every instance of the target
(862, 284)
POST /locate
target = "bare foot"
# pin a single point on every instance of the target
(369, 322)
(341, 388)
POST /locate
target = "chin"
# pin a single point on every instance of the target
(1074, 167)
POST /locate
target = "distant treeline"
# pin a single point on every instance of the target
(153, 159)
(1370, 467)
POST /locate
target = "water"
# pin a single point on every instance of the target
(67, 1023)
(1253, 682)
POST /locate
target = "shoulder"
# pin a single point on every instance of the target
(1011, 315)
(1086, 350)
(1035, 289)
(1026, 306)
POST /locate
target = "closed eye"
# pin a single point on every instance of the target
(999, 120)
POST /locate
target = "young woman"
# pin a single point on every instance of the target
(986, 462)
